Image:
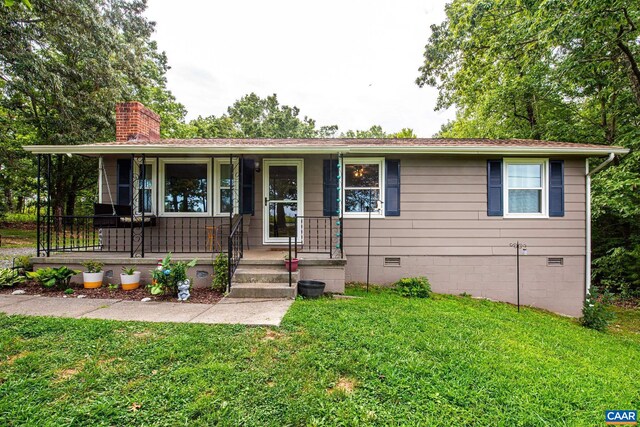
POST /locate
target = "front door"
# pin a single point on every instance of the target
(283, 198)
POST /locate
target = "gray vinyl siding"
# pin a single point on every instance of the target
(444, 212)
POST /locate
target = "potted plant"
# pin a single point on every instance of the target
(129, 278)
(290, 264)
(93, 276)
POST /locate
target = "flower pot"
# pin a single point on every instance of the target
(92, 280)
(130, 282)
(311, 288)
(291, 265)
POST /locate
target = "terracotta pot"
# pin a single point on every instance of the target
(92, 280)
(291, 265)
(130, 282)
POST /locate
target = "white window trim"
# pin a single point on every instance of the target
(161, 181)
(381, 170)
(545, 187)
(154, 184)
(217, 162)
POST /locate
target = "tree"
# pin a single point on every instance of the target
(256, 117)
(376, 131)
(63, 66)
(561, 70)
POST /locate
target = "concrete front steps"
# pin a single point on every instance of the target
(263, 279)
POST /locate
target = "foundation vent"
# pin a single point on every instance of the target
(391, 261)
(555, 262)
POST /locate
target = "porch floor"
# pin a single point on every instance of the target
(251, 255)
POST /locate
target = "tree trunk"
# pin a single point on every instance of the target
(8, 199)
(633, 70)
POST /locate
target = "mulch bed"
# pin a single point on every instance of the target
(198, 295)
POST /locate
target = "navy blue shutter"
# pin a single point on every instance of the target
(494, 187)
(247, 187)
(330, 187)
(392, 192)
(123, 181)
(556, 188)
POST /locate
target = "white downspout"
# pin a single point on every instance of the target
(588, 175)
(587, 273)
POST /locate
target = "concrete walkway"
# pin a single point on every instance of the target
(249, 311)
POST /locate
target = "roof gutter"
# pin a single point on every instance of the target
(602, 166)
(329, 149)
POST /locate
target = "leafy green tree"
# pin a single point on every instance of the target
(561, 70)
(63, 66)
(405, 133)
(257, 117)
(213, 127)
(376, 131)
(12, 3)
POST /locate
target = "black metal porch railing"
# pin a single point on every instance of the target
(319, 235)
(235, 248)
(113, 234)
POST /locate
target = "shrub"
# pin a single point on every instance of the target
(619, 271)
(414, 287)
(50, 277)
(93, 266)
(20, 218)
(166, 278)
(10, 277)
(595, 312)
(220, 273)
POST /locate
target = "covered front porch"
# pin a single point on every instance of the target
(197, 206)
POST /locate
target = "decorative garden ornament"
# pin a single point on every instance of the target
(183, 290)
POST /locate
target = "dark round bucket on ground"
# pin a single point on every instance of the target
(310, 288)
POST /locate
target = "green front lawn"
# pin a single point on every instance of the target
(381, 359)
(18, 237)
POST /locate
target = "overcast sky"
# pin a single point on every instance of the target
(351, 63)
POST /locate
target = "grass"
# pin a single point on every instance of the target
(626, 322)
(18, 237)
(380, 359)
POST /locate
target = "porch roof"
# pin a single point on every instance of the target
(331, 146)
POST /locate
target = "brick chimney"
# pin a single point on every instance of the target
(135, 121)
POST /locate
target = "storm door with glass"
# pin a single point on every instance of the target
(283, 198)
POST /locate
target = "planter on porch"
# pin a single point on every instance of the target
(291, 265)
(130, 282)
(92, 280)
